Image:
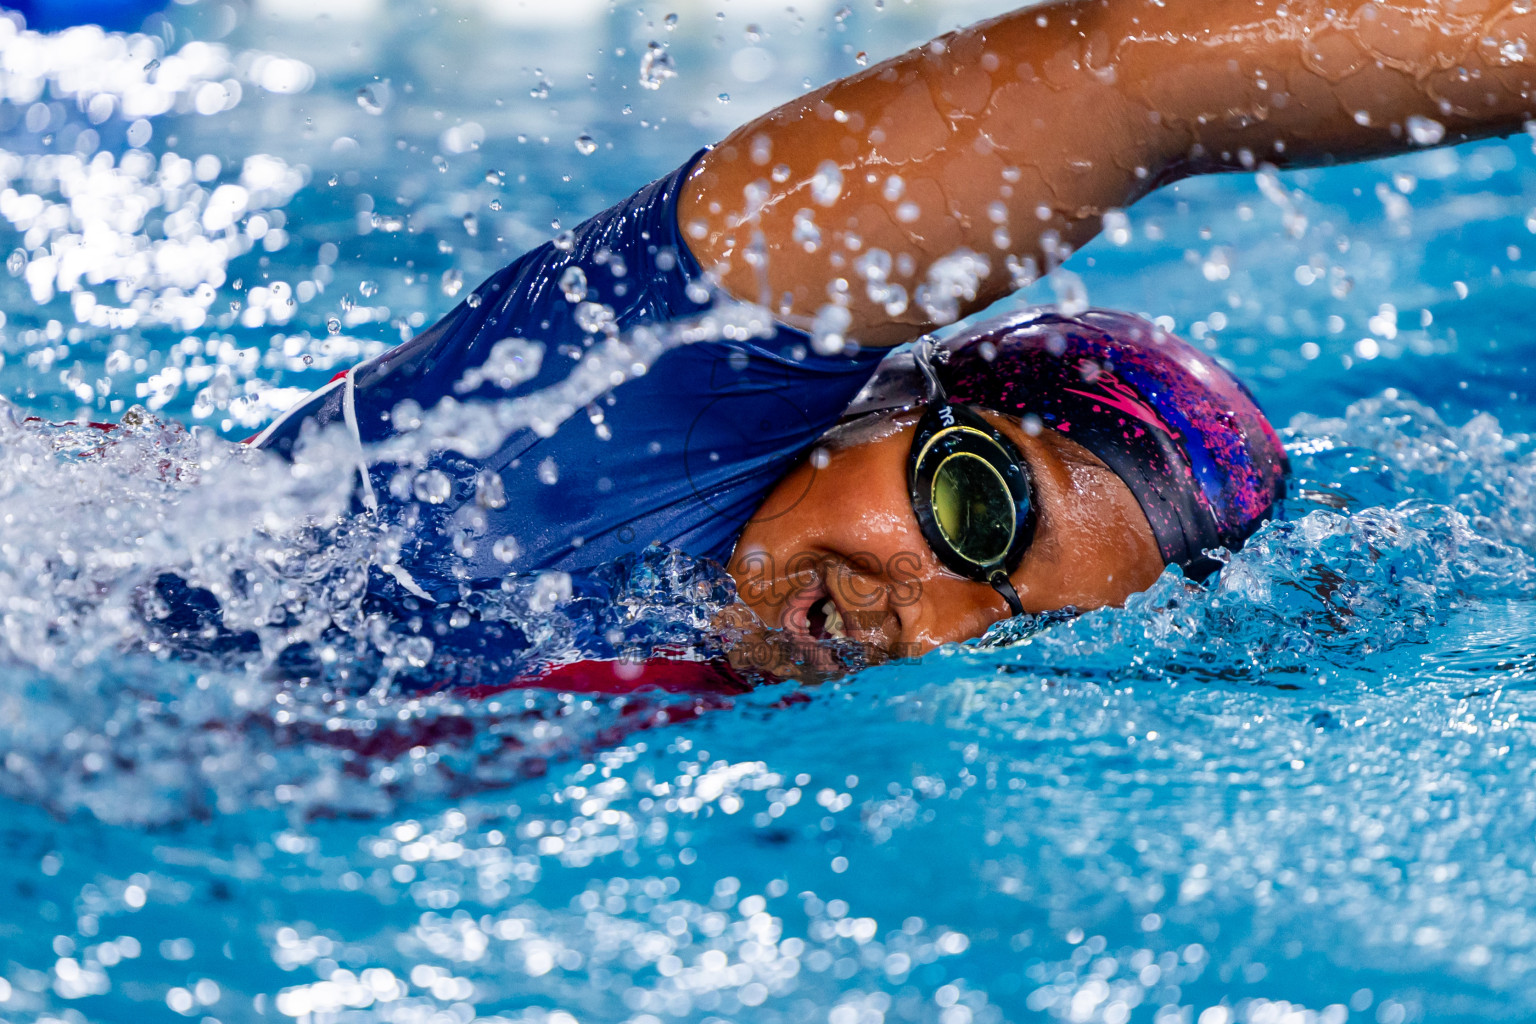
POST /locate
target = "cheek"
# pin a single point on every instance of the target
(1103, 548)
(952, 610)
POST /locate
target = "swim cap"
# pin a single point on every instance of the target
(1183, 433)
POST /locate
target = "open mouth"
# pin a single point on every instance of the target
(825, 622)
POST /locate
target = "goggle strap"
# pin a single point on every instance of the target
(1002, 585)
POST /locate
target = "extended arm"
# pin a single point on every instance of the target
(1001, 146)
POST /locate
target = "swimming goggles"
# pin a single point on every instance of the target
(971, 492)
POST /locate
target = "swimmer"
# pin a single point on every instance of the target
(1031, 463)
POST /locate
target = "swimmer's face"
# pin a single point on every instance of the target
(836, 550)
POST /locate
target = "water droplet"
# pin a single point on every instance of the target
(806, 232)
(471, 225)
(1513, 51)
(333, 325)
(594, 317)
(753, 33)
(573, 282)
(16, 262)
(453, 280)
(829, 331)
(1071, 293)
(473, 300)
(332, 180)
(152, 64)
(495, 177)
(541, 89)
(440, 163)
(670, 21)
(842, 13)
(506, 549)
(585, 144)
(1425, 131)
(827, 183)
(565, 241)
(417, 650)
(347, 303)
(374, 97)
(724, 97)
(1117, 227)
(491, 493)
(549, 471)
(656, 66)
(432, 486)
(495, 204)
(861, 58)
(368, 289)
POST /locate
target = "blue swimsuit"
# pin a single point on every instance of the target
(681, 455)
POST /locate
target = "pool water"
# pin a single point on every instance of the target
(1302, 792)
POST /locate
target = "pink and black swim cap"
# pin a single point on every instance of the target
(1183, 433)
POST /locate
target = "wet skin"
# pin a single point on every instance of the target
(1014, 137)
(1008, 142)
(840, 527)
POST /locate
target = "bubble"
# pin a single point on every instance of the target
(432, 487)
(1425, 131)
(585, 144)
(333, 325)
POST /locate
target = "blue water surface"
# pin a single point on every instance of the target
(1301, 792)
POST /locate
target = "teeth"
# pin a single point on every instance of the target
(834, 624)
